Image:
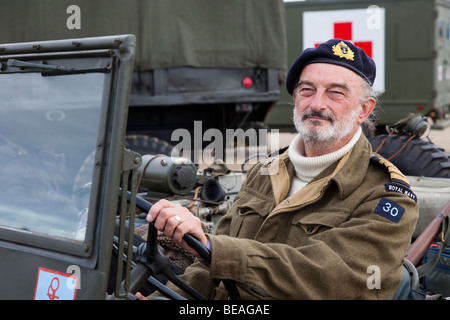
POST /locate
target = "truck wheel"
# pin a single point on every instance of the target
(144, 144)
(419, 157)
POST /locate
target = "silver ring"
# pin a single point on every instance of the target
(179, 221)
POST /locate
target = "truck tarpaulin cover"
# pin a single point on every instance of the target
(169, 33)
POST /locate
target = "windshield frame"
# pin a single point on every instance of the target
(25, 254)
(84, 63)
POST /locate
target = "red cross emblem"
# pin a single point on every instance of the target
(343, 30)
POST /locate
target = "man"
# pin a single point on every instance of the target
(318, 221)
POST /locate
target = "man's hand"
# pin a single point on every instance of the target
(175, 221)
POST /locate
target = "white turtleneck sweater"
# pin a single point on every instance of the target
(306, 168)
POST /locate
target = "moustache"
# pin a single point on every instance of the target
(318, 114)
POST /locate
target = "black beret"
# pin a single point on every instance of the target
(334, 51)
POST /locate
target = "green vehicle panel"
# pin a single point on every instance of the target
(413, 66)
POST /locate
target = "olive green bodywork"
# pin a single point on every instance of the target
(417, 52)
(175, 33)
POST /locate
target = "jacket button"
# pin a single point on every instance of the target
(310, 230)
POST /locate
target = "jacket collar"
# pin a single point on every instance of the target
(280, 171)
(342, 172)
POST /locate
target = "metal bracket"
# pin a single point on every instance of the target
(130, 163)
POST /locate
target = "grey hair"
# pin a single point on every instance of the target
(370, 124)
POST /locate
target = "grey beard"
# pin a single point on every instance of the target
(336, 132)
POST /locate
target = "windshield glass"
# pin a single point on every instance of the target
(48, 134)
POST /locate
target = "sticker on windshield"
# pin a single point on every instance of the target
(54, 285)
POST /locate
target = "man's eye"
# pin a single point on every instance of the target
(337, 93)
(306, 91)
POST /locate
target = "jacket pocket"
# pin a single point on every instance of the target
(319, 221)
(251, 214)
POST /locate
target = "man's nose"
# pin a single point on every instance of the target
(319, 101)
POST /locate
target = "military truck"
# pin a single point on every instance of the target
(408, 39)
(217, 64)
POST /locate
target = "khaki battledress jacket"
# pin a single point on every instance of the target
(342, 236)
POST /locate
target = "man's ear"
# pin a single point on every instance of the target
(367, 107)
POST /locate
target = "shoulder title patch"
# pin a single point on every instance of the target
(394, 187)
(390, 210)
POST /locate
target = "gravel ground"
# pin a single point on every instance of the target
(441, 138)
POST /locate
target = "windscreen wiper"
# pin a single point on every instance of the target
(22, 64)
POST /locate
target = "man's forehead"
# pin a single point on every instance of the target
(341, 85)
(329, 74)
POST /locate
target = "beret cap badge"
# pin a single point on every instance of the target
(343, 51)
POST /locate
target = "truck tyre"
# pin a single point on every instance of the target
(144, 144)
(419, 157)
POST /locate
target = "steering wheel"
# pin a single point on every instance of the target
(149, 255)
(145, 206)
